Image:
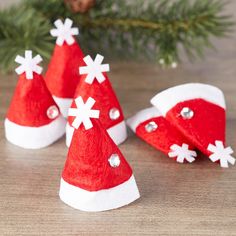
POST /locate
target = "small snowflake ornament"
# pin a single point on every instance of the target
(222, 154)
(182, 153)
(83, 113)
(28, 64)
(64, 32)
(94, 69)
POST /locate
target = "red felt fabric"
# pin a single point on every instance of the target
(205, 127)
(163, 137)
(87, 163)
(105, 99)
(30, 102)
(62, 75)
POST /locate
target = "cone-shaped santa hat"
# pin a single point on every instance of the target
(33, 118)
(96, 176)
(153, 128)
(198, 112)
(95, 83)
(62, 75)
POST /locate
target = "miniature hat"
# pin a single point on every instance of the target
(96, 176)
(198, 112)
(33, 118)
(95, 83)
(153, 128)
(62, 75)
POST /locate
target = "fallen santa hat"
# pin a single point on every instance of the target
(198, 112)
(33, 118)
(62, 75)
(96, 176)
(95, 83)
(153, 128)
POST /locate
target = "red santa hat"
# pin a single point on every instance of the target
(33, 118)
(198, 112)
(95, 83)
(153, 128)
(62, 75)
(96, 176)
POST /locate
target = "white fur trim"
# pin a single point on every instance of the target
(69, 134)
(35, 137)
(101, 200)
(118, 133)
(167, 99)
(141, 116)
(64, 104)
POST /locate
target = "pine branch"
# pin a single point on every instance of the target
(19, 33)
(122, 28)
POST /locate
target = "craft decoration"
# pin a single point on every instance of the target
(33, 119)
(153, 128)
(95, 83)
(96, 176)
(198, 112)
(62, 75)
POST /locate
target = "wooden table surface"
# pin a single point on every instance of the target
(189, 199)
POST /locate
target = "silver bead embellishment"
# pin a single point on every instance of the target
(187, 113)
(52, 112)
(114, 114)
(114, 160)
(151, 126)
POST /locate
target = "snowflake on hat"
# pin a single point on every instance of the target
(28, 64)
(220, 153)
(83, 113)
(96, 176)
(33, 118)
(94, 69)
(64, 32)
(182, 153)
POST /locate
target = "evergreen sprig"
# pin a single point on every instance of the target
(22, 29)
(124, 28)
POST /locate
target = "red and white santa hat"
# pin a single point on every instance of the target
(33, 118)
(95, 83)
(96, 176)
(153, 128)
(198, 112)
(62, 75)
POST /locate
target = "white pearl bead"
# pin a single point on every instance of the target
(52, 112)
(151, 126)
(114, 160)
(187, 113)
(114, 114)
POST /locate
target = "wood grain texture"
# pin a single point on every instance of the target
(191, 199)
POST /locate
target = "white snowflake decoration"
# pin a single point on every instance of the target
(222, 154)
(182, 153)
(83, 113)
(64, 32)
(94, 69)
(28, 64)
